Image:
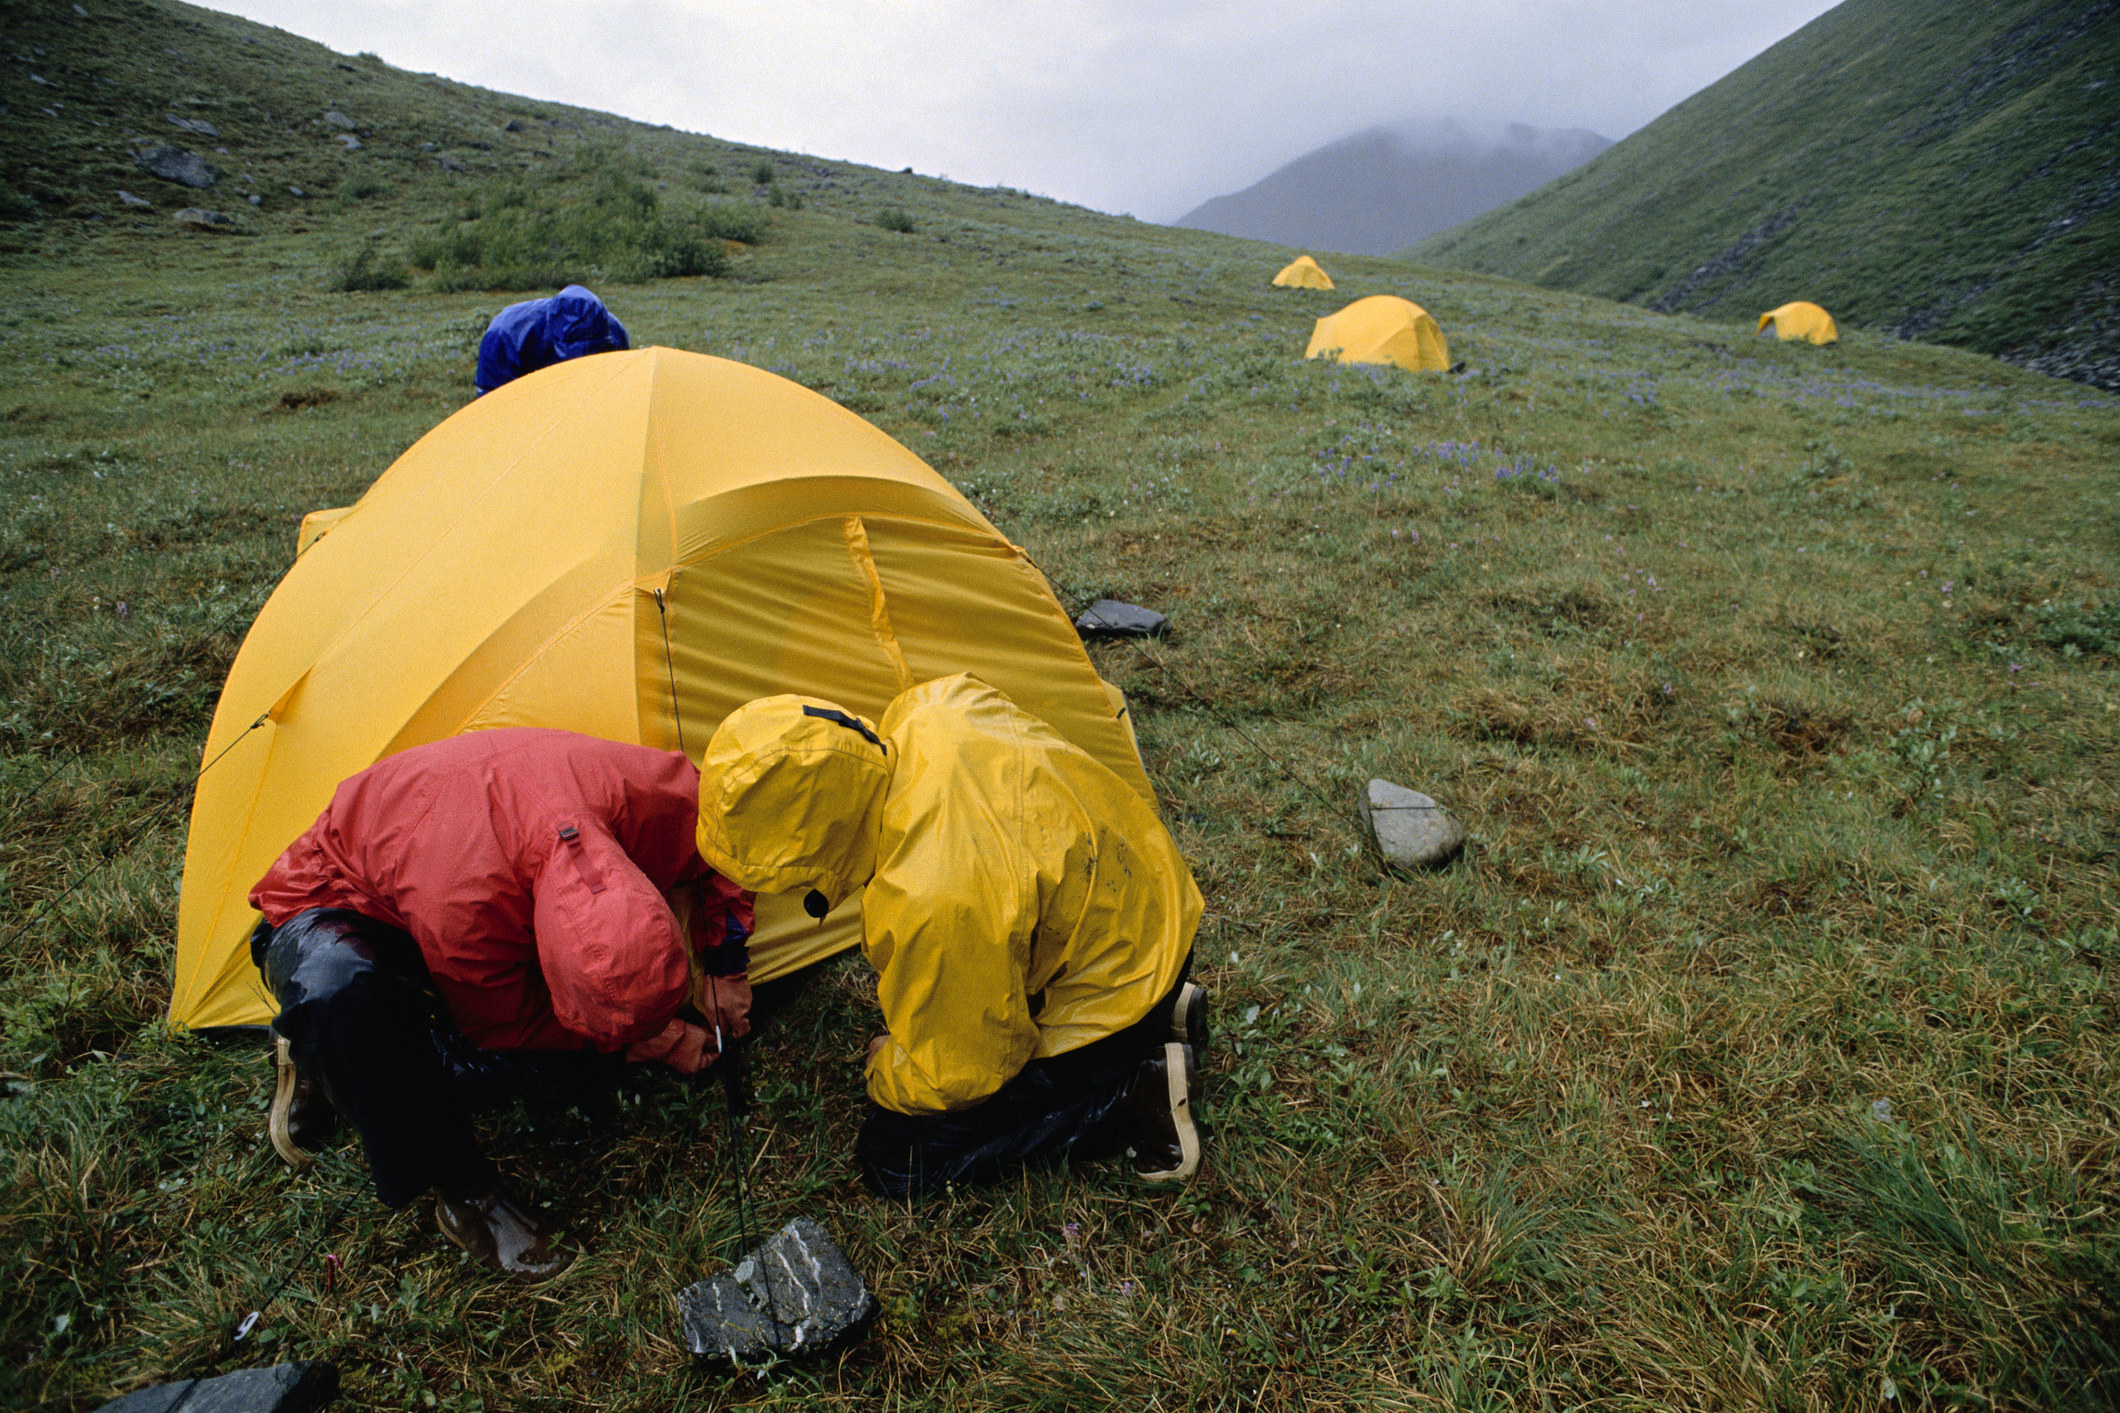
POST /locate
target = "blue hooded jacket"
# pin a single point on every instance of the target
(539, 332)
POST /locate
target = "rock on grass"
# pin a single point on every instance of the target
(174, 164)
(283, 1388)
(200, 219)
(1412, 830)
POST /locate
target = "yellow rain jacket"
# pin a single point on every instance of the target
(1022, 900)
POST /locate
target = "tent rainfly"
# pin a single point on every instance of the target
(631, 546)
(1800, 320)
(1382, 329)
(1302, 273)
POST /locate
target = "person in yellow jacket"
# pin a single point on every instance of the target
(1029, 918)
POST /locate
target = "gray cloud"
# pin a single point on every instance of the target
(1146, 106)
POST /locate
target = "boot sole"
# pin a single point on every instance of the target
(1178, 1072)
(282, 1105)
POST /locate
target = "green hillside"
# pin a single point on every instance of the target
(353, 150)
(1760, 1052)
(1944, 170)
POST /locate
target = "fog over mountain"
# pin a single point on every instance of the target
(1385, 187)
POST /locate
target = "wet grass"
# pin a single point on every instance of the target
(1759, 1053)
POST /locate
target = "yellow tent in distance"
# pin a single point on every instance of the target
(630, 545)
(1382, 329)
(1302, 273)
(1800, 320)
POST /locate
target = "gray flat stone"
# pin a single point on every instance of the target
(1111, 618)
(349, 142)
(450, 164)
(283, 1388)
(174, 164)
(339, 120)
(1412, 830)
(130, 200)
(203, 220)
(197, 125)
(796, 1294)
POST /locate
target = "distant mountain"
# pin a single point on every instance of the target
(1947, 170)
(1384, 187)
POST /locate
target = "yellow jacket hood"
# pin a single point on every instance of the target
(791, 793)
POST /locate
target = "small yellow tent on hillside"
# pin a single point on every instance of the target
(1800, 320)
(1382, 329)
(632, 546)
(1303, 273)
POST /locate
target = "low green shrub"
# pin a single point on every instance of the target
(729, 220)
(16, 205)
(778, 195)
(611, 229)
(890, 218)
(762, 171)
(369, 269)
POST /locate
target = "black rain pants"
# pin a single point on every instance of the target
(364, 1023)
(1064, 1107)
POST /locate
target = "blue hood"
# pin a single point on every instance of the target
(577, 323)
(540, 332)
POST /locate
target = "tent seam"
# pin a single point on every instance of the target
(857, 541)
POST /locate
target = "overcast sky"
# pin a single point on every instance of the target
(1141, 106)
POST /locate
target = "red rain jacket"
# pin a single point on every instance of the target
(530, 866)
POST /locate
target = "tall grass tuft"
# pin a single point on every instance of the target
(2011, 1268)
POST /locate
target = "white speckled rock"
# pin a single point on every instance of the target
(1412, 830)
(796, 1294)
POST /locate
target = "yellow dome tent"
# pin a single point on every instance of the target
(1382, 329)
(1800, 321)
(632, 546)
(1303, 273)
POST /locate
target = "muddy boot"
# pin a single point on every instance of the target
(303, 1120)
(1188, 1019)
(500, 1232)
(1158, 1111)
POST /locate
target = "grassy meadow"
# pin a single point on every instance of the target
(1759, 1053)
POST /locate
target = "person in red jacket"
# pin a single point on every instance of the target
(508, 913)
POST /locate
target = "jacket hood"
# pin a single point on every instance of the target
(577, 324)
(791, 796)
